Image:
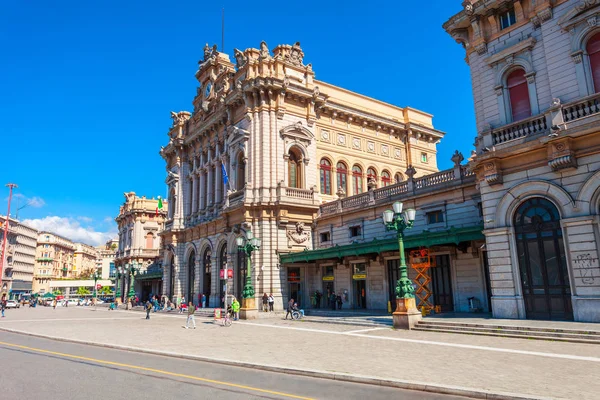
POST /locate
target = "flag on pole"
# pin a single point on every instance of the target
(159, 206)
(224, 173)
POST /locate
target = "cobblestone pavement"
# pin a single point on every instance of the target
(535, 368)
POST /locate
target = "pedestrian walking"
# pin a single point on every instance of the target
(265, 302)
(332, 300)
(191, 310)
(338, 299)
(271, 302)
(54, 304)
(235, 307)
(3, 305)
(290, 308)
(148, 309)
(318, 296)
(203, 300)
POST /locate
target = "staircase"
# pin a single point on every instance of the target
(371, 319)
(511, 331)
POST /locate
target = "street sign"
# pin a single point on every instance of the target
(230, 273)
(98, 286)
(222, 274)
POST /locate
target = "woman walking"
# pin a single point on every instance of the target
(271, 302)
(265, 302)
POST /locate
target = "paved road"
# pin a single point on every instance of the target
(42, 368)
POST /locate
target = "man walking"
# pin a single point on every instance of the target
(203, 300)
(3, 305)
(290, 308)
(235, 307)
(148, 309)
(191, 310)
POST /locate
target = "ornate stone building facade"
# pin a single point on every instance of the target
(286, 143)
(535, 69)
(140, 223)
(17, 272)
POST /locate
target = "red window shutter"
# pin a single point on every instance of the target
(593, 50)
(518, 93)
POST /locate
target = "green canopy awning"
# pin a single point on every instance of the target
(424, 239)
(148, 276)
(48, 295)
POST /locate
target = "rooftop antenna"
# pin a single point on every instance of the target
(223, 30)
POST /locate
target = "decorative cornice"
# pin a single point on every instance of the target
(503, 55)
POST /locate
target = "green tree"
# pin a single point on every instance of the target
(82, 291)
(105, 290)
(57, 292)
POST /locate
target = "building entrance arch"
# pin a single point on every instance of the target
(542, 260)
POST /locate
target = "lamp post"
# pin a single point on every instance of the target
(406, 314)
(133, 269)
(96, 276)
(248, 245)
(118, 286)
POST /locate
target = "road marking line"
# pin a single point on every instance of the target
(368, 330)
(222, 383)
(430, 342)
(65, 319)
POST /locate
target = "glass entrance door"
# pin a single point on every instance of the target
(360, 294)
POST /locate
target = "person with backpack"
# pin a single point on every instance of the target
(148, 309)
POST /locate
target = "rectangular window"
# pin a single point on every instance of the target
(328, 270)
(360, 268)
(355, 231)
(423, 157)
(325, 237)
(507, 18)
(435, 217)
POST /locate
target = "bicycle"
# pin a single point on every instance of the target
(227, 320)
(296, 315)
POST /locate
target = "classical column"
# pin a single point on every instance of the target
(218, 181)
(203, 188)
(194, 192)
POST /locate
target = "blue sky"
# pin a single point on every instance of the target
(87, 87)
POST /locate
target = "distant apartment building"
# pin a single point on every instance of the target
(139, 223)
(85, 257)
(105, 263)
(17, 271)
(54, 259)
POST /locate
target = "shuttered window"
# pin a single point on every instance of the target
(519, 95)
(593, 50)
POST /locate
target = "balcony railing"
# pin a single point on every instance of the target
(528, 127)
(442, 180)
(558, 115)
(295, 193)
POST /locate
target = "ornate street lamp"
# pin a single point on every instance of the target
(406, 314)
(133, 269)
(248, 245)
(96, 276)
(118, 288)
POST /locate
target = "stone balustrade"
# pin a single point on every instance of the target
(442, 180)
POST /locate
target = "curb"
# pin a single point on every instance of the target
(342, 377)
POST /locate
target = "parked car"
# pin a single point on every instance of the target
(12, 304)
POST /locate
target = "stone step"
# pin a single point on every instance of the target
(508, 335)
(426, 322)
(515, 332)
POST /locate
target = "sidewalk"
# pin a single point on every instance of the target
(535, 369)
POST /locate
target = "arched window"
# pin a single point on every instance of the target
(191, 276)
(398, 177)
(357, 180)
(206, 287)
(593, 50)
(518, 93)
(294, 169)
(371, 173)
(325, 174)
(241, 172)
(342, 176)
(542, 261)
(386, 180)
(149, 240)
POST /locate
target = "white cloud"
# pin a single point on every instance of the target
(85, 219)
(25, 201)
(71, 229)
(109, 220)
